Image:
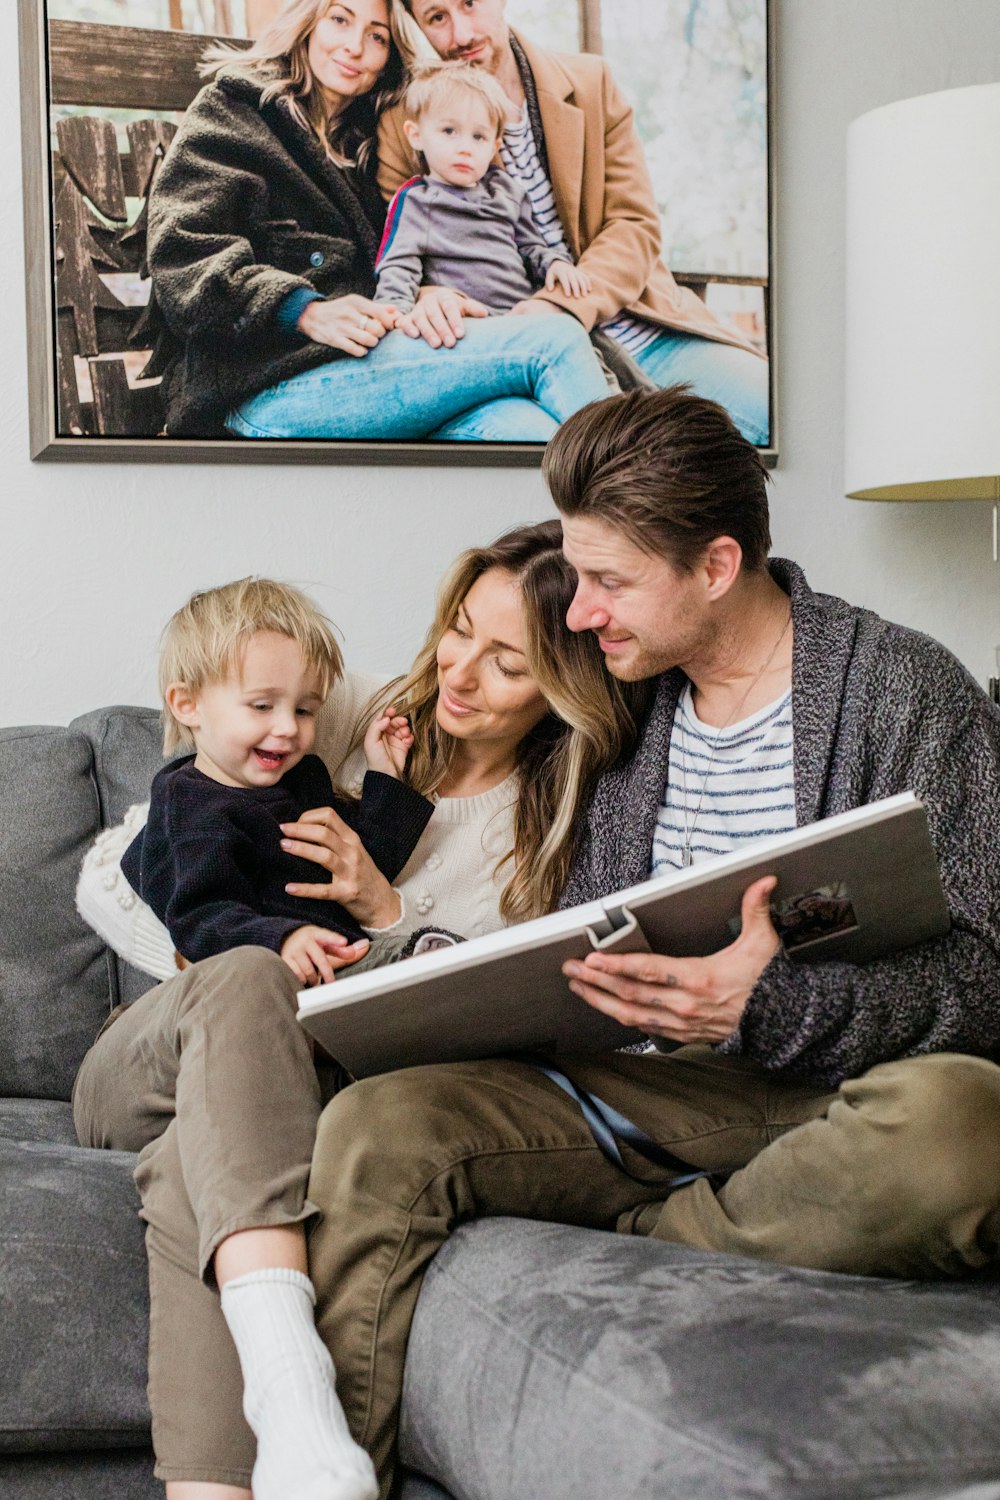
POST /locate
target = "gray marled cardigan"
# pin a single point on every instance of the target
(877, 709)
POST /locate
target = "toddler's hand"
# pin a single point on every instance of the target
(314, 953)
(573, 281)
(388, 742)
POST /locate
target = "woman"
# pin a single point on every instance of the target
(225, 1130)
(264, 224)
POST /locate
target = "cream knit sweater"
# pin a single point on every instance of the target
(451, 879)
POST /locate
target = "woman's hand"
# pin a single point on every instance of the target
(353, 323)
(439, 316)
(355, 881)
(314, 953)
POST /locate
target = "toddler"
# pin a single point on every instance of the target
(464, 224)
(243, 671)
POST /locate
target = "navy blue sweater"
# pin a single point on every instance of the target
(210, 864)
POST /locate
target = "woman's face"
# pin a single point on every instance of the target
(349, 47)
(485, 692)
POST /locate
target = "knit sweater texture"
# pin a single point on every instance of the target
(482, 240)
(210, 865)
(877, 710)
(454, 878)
(246, 209)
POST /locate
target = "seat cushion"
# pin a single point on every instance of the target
(126, 1474)
(55, 978)
(122, 1474)
(73, 1300)
(551, 1363)
(37, 1120)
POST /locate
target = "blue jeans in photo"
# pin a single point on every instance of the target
(735, 378)
(510, 379)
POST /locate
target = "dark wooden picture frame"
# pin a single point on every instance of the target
(73, 255)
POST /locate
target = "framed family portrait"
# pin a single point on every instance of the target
(417, 231)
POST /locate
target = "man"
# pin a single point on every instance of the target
(573, 144)
(840, 1116)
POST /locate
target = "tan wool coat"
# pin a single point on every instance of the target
(603, 193)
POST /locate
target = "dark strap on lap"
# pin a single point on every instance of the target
(609, 1126)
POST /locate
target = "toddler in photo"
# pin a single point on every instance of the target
(244, 670)
(465, 224)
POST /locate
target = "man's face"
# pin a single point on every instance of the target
(647, 615)
(473, 31)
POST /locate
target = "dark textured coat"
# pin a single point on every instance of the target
(247, 208)
(877, 710)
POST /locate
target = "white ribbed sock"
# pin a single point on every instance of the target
(304, 1448)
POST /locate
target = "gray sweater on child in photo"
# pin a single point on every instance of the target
(482, 240)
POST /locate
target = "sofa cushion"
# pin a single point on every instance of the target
(73, 1300)
(552, 1363)
(125, 1474)
(37, 1120)
(128, 751)
(55, 979)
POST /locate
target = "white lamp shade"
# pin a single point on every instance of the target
(923, 299)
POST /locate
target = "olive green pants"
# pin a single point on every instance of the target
(210, 1079)
(897, 1173)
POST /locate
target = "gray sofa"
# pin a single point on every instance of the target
(546, 1363)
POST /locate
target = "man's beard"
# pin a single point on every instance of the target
(640, 664)
(487, 61)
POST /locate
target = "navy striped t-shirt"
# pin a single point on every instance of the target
(720, 799)
(519, 154)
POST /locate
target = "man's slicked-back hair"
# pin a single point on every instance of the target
(668, 469)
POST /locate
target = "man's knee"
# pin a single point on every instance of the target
(928, 1129)
(396, 1127)
(945, 1102)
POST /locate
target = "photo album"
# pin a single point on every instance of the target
(850, 889)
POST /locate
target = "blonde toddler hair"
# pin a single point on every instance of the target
(433, 83)
(207, 639)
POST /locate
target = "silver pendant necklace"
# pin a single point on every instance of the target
(687, 856)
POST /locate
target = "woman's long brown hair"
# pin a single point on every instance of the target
(591, 723)
(279, 61)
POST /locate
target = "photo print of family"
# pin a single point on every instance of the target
(389, 230)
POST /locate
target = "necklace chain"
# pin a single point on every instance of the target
(687, 857)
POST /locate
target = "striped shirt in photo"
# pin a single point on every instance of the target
(725, 787)
(520, 156)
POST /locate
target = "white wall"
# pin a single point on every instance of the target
(94, 558)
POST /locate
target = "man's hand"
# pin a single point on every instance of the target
(439, 316)
(314, 953)
(388, 741)
(684, 999)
